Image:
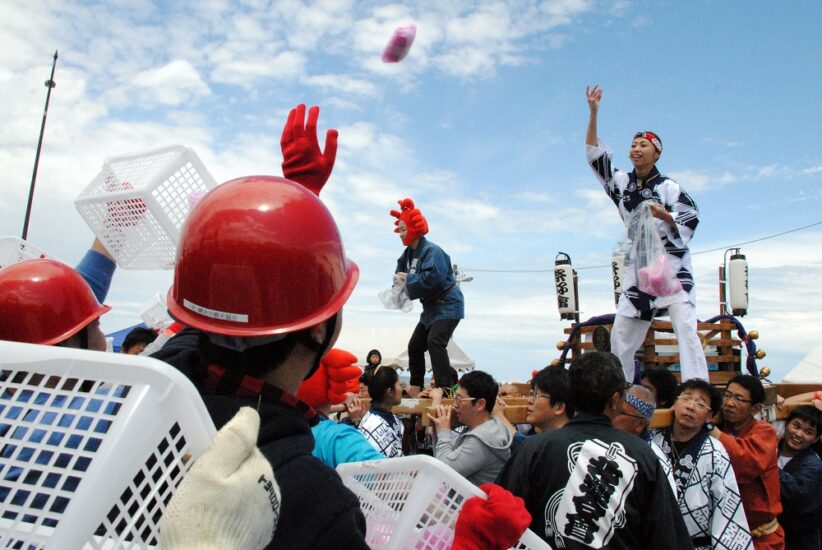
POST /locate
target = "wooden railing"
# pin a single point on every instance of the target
(725, 352)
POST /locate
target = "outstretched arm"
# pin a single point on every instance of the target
(598, 154)
(97, 268)
(594, 96)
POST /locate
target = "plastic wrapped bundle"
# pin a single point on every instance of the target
(400, 44)
(653, 268)
(657, 279)
(396, 297)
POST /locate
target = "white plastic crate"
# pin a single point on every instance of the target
(137, 204)
(92, 446)
(14, 250)
(413, 502)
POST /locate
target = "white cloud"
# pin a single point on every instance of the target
(246, 70)
(342, 83)
(725, 143)
(771, 170)
(529, 196)
(698, 180)
(477, 211)
(172, 84)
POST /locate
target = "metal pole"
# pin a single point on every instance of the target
(49, 84)
(722, 308)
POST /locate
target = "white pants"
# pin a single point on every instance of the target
(628, 334)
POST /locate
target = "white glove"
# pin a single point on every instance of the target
(229, 499)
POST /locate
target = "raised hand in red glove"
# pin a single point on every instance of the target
(303, 161)
(493, 524)
(338, 374)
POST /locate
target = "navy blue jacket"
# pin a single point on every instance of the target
(800, 483)
(431, 281)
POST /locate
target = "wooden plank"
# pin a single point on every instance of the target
(720, 326)
(788, 389)
(721, 378)
(515, 414)
(523, 389)
(711, 358)
(649, 348)
(716, 377)
(663, 418)
(516, 401)
(716, 342)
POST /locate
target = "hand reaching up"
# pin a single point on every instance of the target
(594, 96)
(303, 161)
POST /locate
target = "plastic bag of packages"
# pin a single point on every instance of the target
(654, 273)
(396, 297)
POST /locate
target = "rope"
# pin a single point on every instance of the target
(583, 268)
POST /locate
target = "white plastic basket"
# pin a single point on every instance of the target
(92, 446)
(413, 502)
(14, 250)
(137, 204)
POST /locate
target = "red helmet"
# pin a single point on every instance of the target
(44, 302)
(260, 255)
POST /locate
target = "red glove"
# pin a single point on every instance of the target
(493, 524)
(343, 374)
(332, 380)
(303, 161)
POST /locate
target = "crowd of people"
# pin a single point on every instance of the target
(259, 293)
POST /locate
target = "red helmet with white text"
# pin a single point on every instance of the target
(259, 256)
(44, 302)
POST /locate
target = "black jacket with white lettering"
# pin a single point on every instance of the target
(621, 485)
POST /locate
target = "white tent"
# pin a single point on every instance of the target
(393, 345)
(809, 370)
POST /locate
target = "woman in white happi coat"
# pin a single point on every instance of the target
(676, 220)
(381, 428)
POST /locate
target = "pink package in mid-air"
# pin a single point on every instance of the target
(657, 279)
(399, 45)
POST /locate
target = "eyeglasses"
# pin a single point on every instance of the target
(627, 386)
(623, 413)
(699, 405)
(458, 399)
(535, 395)
(728, 396)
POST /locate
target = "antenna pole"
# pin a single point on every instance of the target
(50, 84)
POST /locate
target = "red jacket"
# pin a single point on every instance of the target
(753, 454)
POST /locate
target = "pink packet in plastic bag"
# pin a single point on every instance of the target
(399, 45)
(658, 278)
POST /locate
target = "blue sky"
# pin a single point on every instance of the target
(482, 125)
